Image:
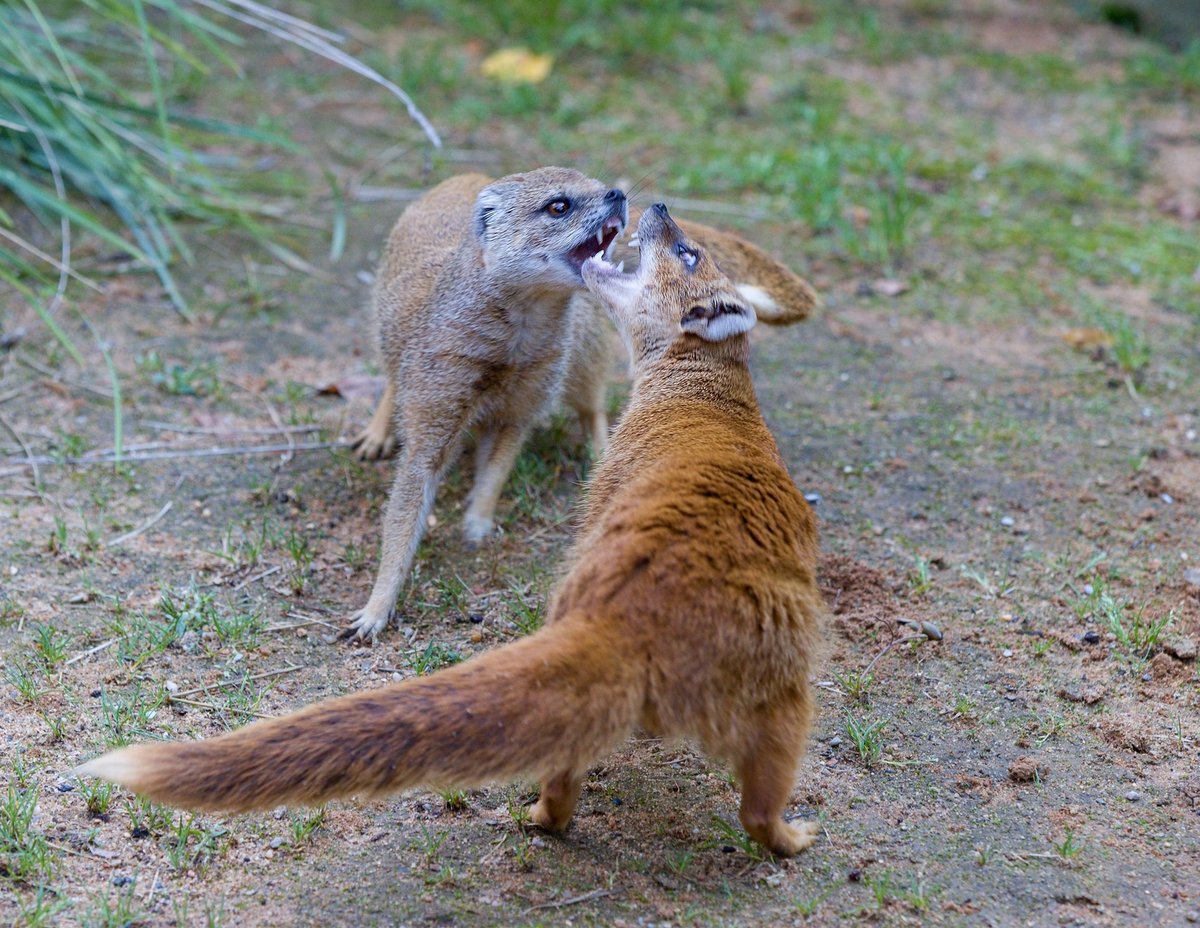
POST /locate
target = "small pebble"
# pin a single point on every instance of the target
(1007, 653)
(1007, 521)
(121, 880)
(835, 741)
(64, 787)
(279, 812)
(1193, 916)
(1133, 796)
(813, 498)
(1090, 637)
(397, 676)
(277, 842)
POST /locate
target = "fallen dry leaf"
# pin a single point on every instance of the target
(1086, 339)
(517, 66)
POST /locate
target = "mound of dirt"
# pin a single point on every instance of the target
(862, 598)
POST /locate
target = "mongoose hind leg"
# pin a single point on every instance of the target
(495, 456)
(378, 439)
(767, 771)
(422, 463)
(556, 804)
(586, 394)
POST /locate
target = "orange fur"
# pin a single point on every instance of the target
(690, 607)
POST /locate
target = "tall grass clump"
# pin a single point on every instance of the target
(91, 140)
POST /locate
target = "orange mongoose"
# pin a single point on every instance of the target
(690, 607)
(484, 325)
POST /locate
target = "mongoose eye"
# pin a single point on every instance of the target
(558, 207)
(686, 255)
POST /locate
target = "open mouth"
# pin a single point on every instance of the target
(598, 244)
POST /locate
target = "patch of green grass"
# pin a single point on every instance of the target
(728, 834)
(1070, 847)
(120, 909)
(1037, 71)
(191, 846)
(807, 908)
(51, 644)
(25, 855)
(882, 887)
(11, 611)
(453, 596)
(354, 556)
(41, 908)
(97, 795)
(305, 824)
(175, 379)
(892, 208)
(430, 843)
(918, 896)
(527, 616)
(128, 716)
(867, 738)
(302, 555)
(1137, 634)
(1175, 75)
(455, 800)
(1047, 725)
(245, 551)
(679, 862)
(856, 685)
(148, 819)
(25, 678)
(433, 657)
(920, 579)
(964, 707)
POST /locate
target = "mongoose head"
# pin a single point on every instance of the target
(537, 228)
(677, 292)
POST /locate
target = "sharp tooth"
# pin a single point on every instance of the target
(621, 268)
(600, 237)
(600, 255)
(633, 241)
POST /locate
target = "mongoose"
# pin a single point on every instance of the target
(690, 608)
(477, 328)
(479, 331)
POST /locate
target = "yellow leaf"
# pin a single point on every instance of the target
(1086, 339)
(517, 66)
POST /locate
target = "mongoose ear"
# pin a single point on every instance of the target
(717, 321)
(490, 199)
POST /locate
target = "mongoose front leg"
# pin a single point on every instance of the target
(595, 426)
(768, 772)
(496, 454)
(555, 806)
(378, 439)
(414, 487)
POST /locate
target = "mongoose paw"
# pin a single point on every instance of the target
(788, 839)
(364, 628)
(477, 531)
(369, 445)
(541, 816)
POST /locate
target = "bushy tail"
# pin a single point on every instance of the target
(779, 295)
(544, 705)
